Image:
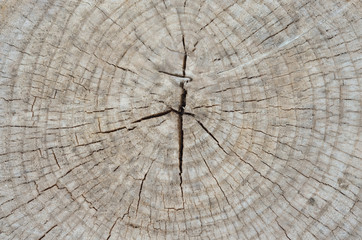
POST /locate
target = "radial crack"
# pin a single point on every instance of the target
(55, 158)
(213, 137)
(156, 115)
(47, 232)
(213, 176)
(140, 191)
(112, 130)
(185, 57)
(110, 230)
(181, 111)
(181, 132)
(160, 114)
(186, 78)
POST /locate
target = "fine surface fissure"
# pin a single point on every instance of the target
(213, 137)
(141, 186)
(180, 119)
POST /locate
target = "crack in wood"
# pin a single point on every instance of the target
(181, 111)
(181, 132)
(47, 232)
(213, 137)
(89, 203)
(156, 115)
(177, 75)
(285, 232)
(56, 159)
(140, 191)
(185, 57)
(116, 129)
(111, 229)
(213, 176)
(275, 128)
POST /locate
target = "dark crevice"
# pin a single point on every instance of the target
(56, 159)
(189, 114)
(160, 114)
(181, 111)
(113, 130)
(176, 75)
(185, 57)
(90, 203)
(213, 176)
(116, 129)
(96, 111)
(213, 137)
(217, 182)
(285, 232)
(156, 115)
(183, 100)
(184, 65)
(110, 230)
(47, 232)
(140, 191)
(195, 46)
(114, 65)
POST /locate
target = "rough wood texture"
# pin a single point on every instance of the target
(180, 120)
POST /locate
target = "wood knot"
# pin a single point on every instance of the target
(311, 201)
(342, 183)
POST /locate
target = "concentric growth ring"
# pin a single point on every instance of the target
(180, 120)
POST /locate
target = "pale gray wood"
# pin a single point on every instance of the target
(180, 119)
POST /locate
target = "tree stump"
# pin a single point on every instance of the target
(180, 119)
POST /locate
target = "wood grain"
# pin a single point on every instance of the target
(180, 119)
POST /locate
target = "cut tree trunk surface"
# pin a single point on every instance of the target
(180, 119)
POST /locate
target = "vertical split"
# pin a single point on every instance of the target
(185, 58)
(181, 111)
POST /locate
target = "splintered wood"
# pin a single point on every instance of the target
(198, 119)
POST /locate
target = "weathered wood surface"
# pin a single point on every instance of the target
(180, 120)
